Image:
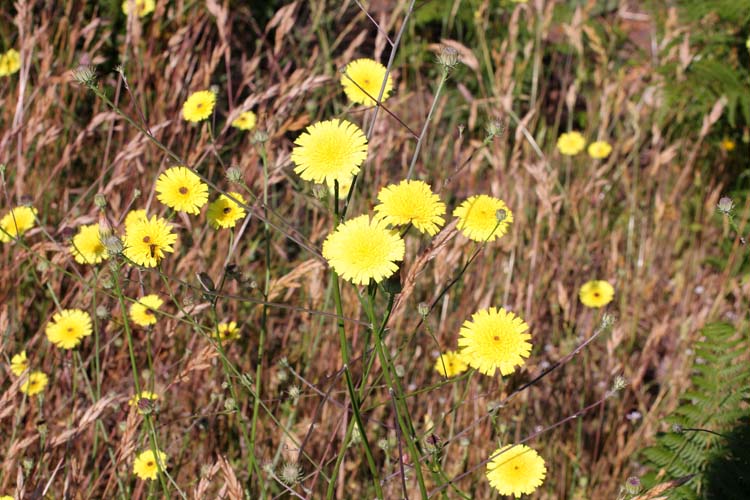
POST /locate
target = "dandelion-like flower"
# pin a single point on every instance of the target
(450, 363)
(599, 150)
(224, 213)
(135, 216)
(68, 327)
(728, 144)
(181, 189)
(246, 121)
(16, 222)
(145, 466)
(19, 363)
(87, 247)
(226, 332)
(142, 7)
(332, 149)
(571, 143)
(596, 293)
(143, 312)
(10, 62)
(516, 470)
(143, 395)
(362, 249)
(483, 218)
(146, 241)
(35, 383)
(199, 106)
(6, 497)
(369, 75)
(494, 338)
(411, 202)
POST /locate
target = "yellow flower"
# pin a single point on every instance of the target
(571, 143)
(35, 383)
(344, 187)
(142, 312)
(68, 327)
(87, 247)
(362, 249)
(199, 106)
(146, 241)
(142, 7)
(369, 75)
(516, 470)
(246, 121)
(145, 466)
(411, 202)
(450, 363)
(599, 150)
(181, 189)
(6, 497)
(332, 149)
(19, 363)
(226, 332)
(728, 144)
(223, 212)
(136, 399)
(16, 222)
(10, 62)
(483, 218)
(596, 293)
(494, 338)
(135, 216)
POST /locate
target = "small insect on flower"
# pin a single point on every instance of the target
(146, 241)
(145, 465)
(483, 218)
(224, 213)
(87, 247)
(596, 293)
(143, 312)
(19, 363)
(34, 383)
(180, 188)
(411, 202)
(16, 222)
(68, 327)
(329, 150)
(516, 470)
(143, 399)
(10, 62)
(571, 143)
(199, 106)
(494, 338)
(365, 76)
(246, 121)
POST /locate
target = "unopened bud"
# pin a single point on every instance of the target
(234, 174)
(500, 215)
(100, 201)
(725, 205)
(494, 129)
(633, 485)
(424, 309)
(85, 75)
(260, 136)
(448, 59)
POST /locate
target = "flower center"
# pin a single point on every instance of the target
(150, 463)
(183, 190)
(149, 312)
(227, 210)
(496, 338)
(147, 239)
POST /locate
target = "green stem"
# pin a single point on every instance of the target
(443, 79)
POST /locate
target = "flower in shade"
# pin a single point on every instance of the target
(16, 222)
(181, 189)
(142, 7)
(199, 106)
(516, 470)
(571, 143)
(450, 363)
(34, 383)
(19, 363)
(411, 202)
(332, 149)
(68, 327)
(494, 338)
(87, 247)
(148, 396)
(599, 150)
(246, 121)
(143, 312)
(223, 212)
(596, 293)
(368, 75)
(728, 144)
(483, 218)
(146, 241)
(226, 332)
(362, 249)
(135, 216)
(146, 466)
(10, 62)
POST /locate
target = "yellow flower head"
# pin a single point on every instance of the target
(225, 213)
(6, 497)
(35, 383)
(246, 121)
(483, 218)
(199, 106)
(147, 395)
(19, 363)
(145, 465)
(494, 338)
(147, 241)
(596, 293)
(571, 143)
(87, 247)
(135, 216)
(411, 202)
(16, 222)
(142, 7)
(180, 188)
(10, 62)
(143, 312)
(226, 332)
(450, 363)
(368, 74)
(599, 150)
(728, 144)
(333, 149)
(68, 327)
(516, 470)
(362, 249)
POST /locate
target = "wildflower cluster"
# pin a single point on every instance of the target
(572, 143)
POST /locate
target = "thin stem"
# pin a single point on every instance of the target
(414, 157)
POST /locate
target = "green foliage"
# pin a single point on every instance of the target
(708, 423)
